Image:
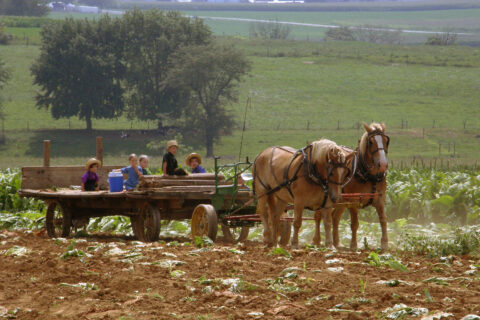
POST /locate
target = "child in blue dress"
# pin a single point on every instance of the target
(134, 171)
(194, 160)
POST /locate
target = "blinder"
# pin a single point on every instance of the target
(377, 133)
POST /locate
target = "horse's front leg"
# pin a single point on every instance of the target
(354, 227)
(318, 220)
(382, 217)
(277, 214)
(272, 226)
(336, 217)
(297, 222)
(327, 223)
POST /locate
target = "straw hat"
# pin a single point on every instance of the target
(193, 155)
(93, 161)
(172, 143)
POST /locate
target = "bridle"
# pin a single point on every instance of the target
(363, 173)
(315, 177)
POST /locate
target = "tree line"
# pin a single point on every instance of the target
(149, 65)
(36, 8)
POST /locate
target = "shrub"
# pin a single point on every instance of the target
(442, 39)
(269, 31)
(340, 34)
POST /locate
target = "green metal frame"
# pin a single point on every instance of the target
(224, 199)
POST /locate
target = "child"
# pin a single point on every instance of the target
(134, 171)
(170, 165)
(194, 160)
(90, 178)
(143, 160)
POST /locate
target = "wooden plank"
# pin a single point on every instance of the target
(60, 177)
(46, 153)
(152, 184)
(197, 176)
(100, 149)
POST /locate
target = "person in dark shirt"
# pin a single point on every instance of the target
(90, 177)
(194, 160)
(170, 164)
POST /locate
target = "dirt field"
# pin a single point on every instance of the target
(108, 278)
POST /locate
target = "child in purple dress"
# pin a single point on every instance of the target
(90, 178)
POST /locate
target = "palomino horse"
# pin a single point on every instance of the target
(370, 170)
(311, 177)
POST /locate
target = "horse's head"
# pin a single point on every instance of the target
(374, 147)
(337, 171)
(331, 164)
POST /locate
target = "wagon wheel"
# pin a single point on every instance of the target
(58, 220)
(204, 221)
(146, 225)
(234, 234)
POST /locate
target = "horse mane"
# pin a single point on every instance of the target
(321, 149)
(363, 140)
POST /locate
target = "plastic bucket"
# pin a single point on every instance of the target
(115, 180)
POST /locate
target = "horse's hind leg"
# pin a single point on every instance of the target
(297, 222)
(318, 220)
(336, 217)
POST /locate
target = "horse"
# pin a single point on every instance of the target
(369, 163)
(280, 180)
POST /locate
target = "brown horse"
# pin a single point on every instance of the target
(311, 177)
(369, 164)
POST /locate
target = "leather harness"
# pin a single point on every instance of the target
(310, 170)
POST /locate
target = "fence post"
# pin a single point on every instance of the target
(338, 124)
(439, 149)
(46, 153)
(423, 133)
(454, 151)
(433, 124)
(464, 124)
(100, 149)
(28, 126)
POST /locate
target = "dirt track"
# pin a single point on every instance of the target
(148, 281)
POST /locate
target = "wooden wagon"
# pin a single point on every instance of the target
(204, 198)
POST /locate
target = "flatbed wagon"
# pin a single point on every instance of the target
(209, 200)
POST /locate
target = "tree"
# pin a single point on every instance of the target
(150, 37)
(210, 74)
(4, 77)
(23, 8)
(80, 70)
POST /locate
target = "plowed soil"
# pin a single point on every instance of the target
(166, 280)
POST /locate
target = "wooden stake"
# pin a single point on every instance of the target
(46, 153)
(100, 149)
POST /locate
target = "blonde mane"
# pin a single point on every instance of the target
(321, 149)
(363, 141)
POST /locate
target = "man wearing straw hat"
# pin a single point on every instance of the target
(170, 164)
(194, 160)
